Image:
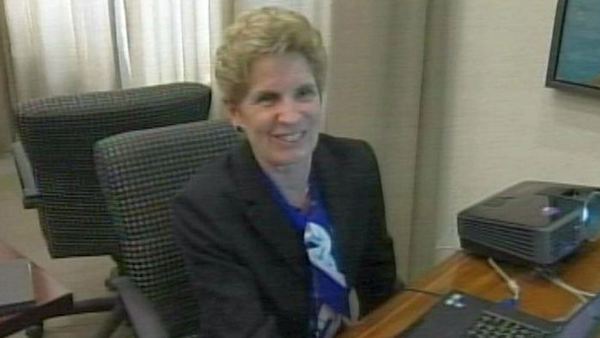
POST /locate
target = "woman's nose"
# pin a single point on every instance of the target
(289, 111)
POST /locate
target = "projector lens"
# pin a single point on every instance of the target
(585, 215)
(591, 214)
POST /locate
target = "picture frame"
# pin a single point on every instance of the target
(574, 61)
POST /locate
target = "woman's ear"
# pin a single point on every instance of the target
(233, 114)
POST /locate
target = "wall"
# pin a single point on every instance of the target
(487, 119)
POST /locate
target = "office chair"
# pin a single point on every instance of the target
(54, 159)
(140, 173)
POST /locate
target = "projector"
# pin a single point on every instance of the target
(532, 222)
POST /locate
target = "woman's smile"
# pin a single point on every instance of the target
(290, 138)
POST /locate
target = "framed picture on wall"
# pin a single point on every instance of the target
(575, 52)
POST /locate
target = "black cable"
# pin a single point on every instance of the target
(431, 293)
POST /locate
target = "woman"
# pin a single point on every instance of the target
(285, 236)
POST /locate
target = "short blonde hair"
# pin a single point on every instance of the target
(264, 31)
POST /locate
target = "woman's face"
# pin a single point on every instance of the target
(281, 111)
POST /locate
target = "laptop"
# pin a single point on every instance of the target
(459, 314)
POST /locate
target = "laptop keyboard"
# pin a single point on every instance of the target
(492, 325)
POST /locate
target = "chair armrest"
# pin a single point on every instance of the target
(31, 195)
(144, 318)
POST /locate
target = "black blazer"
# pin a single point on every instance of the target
(249, 267)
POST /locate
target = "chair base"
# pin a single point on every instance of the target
(35, 331)
(93, 305)
(117, 316)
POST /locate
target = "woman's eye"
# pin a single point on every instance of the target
(265, 99)
(306, 93)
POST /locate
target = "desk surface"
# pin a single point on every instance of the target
(51, 298)
(473, 275)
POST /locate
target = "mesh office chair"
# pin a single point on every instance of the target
(56, 166)
(140, 173)
(57, 136)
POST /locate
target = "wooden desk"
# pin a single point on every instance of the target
(473, 275)
(52, 298)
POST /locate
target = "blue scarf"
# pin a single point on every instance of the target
(329, 292)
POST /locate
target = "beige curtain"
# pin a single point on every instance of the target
(71, 46)
(314, 10)
(6, 86)
(163, 41)
(5, 110)
(374, 93)
(60, 47)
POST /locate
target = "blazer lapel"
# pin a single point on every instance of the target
(263, 213)
(340, 203)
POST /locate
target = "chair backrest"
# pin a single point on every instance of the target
(140, 174)
(58, 134)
